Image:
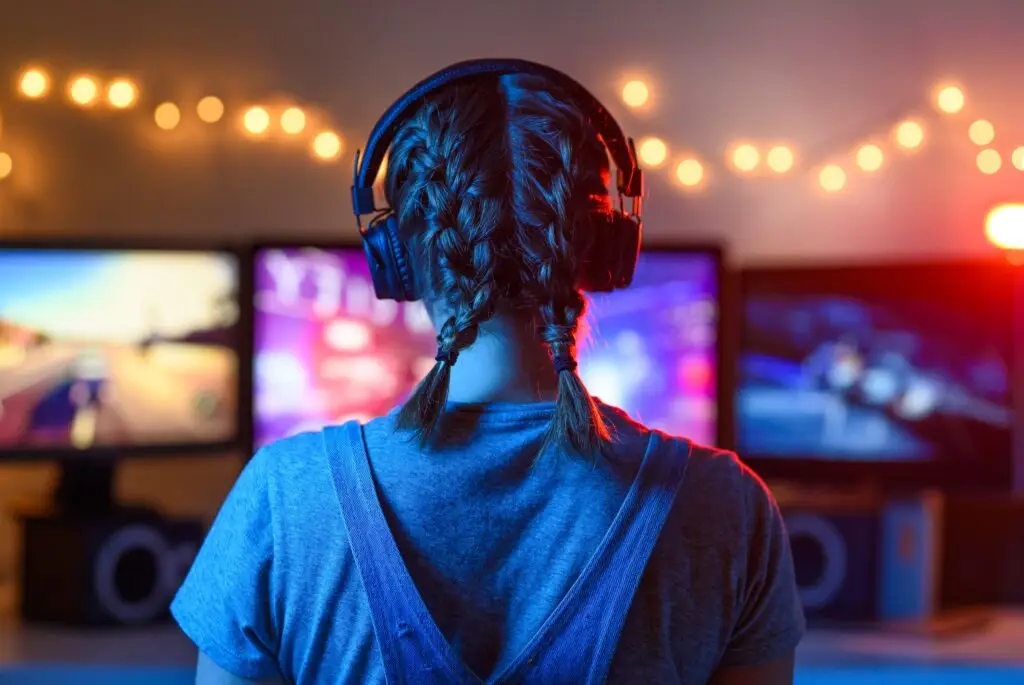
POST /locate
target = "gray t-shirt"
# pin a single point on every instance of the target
(493, 535)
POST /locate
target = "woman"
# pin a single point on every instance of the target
(502, 525)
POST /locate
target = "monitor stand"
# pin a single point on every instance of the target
(85, 489)
(91, 561)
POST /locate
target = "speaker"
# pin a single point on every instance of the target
(866, 559)
(121, 568)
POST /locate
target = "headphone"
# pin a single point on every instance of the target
(611, 261)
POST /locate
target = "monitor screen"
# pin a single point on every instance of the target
(326, 350)
(117, 349)
(899, 365)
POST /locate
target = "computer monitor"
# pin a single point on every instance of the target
(898, 374)
(117, 352)
(326, 350)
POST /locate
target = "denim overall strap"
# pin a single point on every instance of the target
(577, 645)
(574, 646)
(413, 650)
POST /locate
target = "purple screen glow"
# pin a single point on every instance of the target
(327, 351)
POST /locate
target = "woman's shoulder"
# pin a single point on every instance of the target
(298, 452)
(298, 462)
(294, 471)
(721, 498)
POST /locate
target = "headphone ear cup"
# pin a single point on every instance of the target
(388, 260)
(611, 260)
(628, 236)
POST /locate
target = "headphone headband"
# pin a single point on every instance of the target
(629, 179)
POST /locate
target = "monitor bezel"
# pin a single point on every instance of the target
(115, 453)
(722, 284)
(953, 476)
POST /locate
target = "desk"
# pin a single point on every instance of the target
(164, 656)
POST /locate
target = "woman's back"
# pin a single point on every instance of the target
(493, 539)
(493, 536)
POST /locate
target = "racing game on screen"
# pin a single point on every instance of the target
(117, 349)
(872, 376)
(327, 351)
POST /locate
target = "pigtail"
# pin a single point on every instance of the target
(457, 192)
(559, 178)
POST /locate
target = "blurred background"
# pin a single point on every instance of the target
(832, 195)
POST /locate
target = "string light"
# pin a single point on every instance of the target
(210, 109)
(909, 134)
(1017, 158)
(327, 145)
(34, 83)
(981, 132)
(832, 178)
(745, 157)
(167, 116)
(293, 121)
(780, 159)
(122, 94)
(989, 161)
(635, 94)
(690, 173)
(83, 91)
(6, 165)
(950, 99)
(256, 121)
(870, 158)
(653, 152)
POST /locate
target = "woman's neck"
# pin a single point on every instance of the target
(507, 363)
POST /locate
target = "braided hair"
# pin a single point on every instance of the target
(438, 183)
(494, 183)
(560, 180)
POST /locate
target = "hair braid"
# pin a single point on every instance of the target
(559, 180)
(458, 197)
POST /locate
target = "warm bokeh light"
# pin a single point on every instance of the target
(989, 161)
(122, 93)
(167, 116)
(745, 157)
(981, 132)
(690, 172)
(780, 159)
(1017, 158)
(293, 120)
(83, 90)
(950, 99)
(382, 173)
(870, 158)
(1004, 227)
(210, 109)
(909, 134)
(635, 94)
(256, 120)
(653, 152)
(832, 178)
(6, 165)
(34, 83)
(327, 145)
